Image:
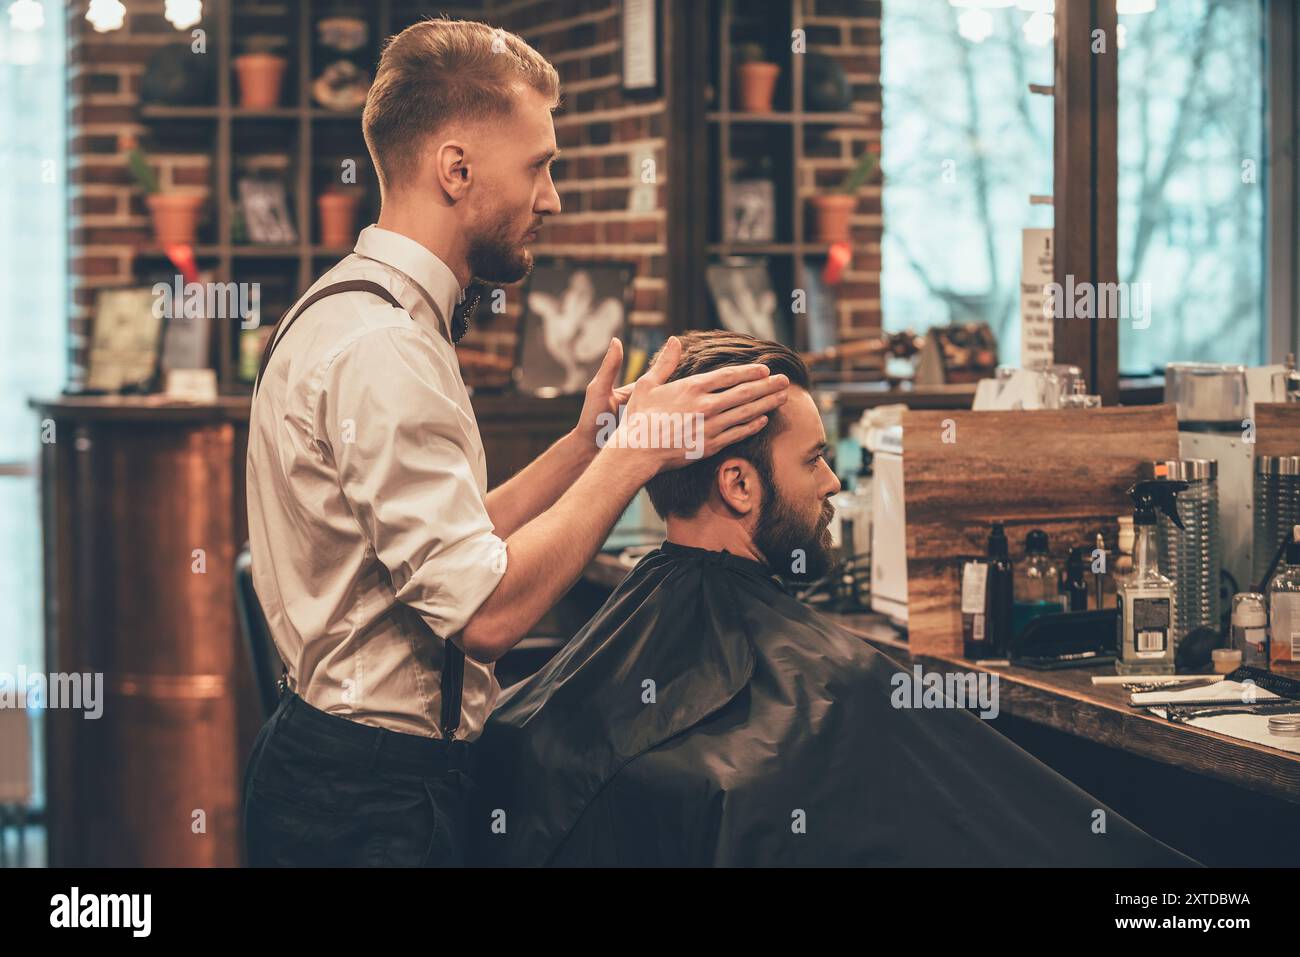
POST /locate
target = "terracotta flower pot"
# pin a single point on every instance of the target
(338, 218)
(756, 83)
(175, 216)
(831, 213)
(260, 77)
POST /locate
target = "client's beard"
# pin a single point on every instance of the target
(496, 258)
(782, 530)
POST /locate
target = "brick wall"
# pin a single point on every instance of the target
(604, 135)
(849, 32)
(107, 214)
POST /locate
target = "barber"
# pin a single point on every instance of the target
(391, 580)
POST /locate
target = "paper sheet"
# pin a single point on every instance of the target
(1246, 727)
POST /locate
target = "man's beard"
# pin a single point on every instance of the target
(783, 534)
(495, 257)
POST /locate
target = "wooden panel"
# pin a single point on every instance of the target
(1085, 182)
(1064, 471)
(1277, 428)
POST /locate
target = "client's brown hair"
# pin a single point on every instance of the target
(682, 491)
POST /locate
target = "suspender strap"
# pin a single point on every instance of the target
(350, 285)
(453, 659)
(453, 683)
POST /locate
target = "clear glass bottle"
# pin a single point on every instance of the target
(1284, 612)
(1037, 583)
(1078, 397)
(1250, 629)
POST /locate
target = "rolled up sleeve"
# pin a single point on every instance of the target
(402, 448)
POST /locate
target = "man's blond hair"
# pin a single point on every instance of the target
(438, 72)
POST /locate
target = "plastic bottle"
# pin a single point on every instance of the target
(1146, 599)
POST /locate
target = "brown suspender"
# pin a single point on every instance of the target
(453, 658)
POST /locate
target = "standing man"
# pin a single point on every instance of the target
(390, 578)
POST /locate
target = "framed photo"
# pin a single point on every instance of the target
(744, 300)
(641, 47)
(751, 212)
(571, 311)
(264, 204)
(125, 340)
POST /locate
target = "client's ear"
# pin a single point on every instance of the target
(738, 484)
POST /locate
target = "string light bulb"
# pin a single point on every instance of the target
(975, 24)
(183, 14)
(106, 15)
(27, 15)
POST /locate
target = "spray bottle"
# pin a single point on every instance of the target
(1146, 598)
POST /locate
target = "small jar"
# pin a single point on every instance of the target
(1250, 629)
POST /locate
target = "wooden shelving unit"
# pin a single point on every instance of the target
(729, 132)
(300, 129)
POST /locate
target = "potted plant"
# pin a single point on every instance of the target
(755, 79)
(175, 215)
(338, 216)
(261, 74)
(831, 211)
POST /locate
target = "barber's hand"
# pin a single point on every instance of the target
(731, 403)
(602, 398)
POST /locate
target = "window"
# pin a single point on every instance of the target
(1192, 182)
(966, 144)
(33, 313)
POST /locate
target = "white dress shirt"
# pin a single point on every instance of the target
(367, 516)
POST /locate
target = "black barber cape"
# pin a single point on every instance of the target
(704, 716)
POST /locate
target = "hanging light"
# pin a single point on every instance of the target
(106, 15)
(183, 14)
(1121, 35)
(1039, 29)
(27, 15)
(975, 25)
(1127, 7)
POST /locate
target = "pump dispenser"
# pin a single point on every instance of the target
(1146, 598)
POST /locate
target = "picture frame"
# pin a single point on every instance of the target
(571, 310)
(125, 341)
(751, 211)
(264, 204)
(641, 29)
(744, 300)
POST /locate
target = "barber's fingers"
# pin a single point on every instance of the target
(665, 362)
(742, 414)
(728, 376)
(733, 435)
(603, 381)
(776, 387)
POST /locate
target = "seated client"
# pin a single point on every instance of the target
(704, 716)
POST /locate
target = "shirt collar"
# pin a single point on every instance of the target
(433, 276)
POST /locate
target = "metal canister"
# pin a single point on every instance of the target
(1277, 508)
(1193, 556)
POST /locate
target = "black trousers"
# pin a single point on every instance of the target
(323, 791)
